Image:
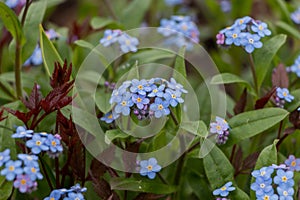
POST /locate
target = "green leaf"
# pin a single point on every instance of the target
(111, 135)
(84, 44)
(180, 64)
(142, 185)
(101, 22)
(289, 29)
(102, 100)
(264, 56)
(266, 158)
(11, 23)
(227, 78)
(5, 188)
(251, 123)
(239, 194)
(296, 102)
(195, 127)
(217, 168)
(284, 9)
(34, 17)
(134, 13)
(149, 56)
(49, 53)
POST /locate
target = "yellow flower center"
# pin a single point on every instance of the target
(23, 182)
(251, 41)
(110, 116)
(284, 94)
(173, 96)
(11, 168)
(123, 103)
(285, 193)
(293, 163)
(223, 188)
(52, 198)
(241, 21)
(38, 143)
(160, 107)
(284, 179)
(109, 37)
(29, 158)
(149, 167)
(266, 197)
(218, 127)
(76, 198)
(184, 27)
(53, 143)
(260, 27)
(139, 100)
(262, 185)
(127, 42)
(155, 90)
(33, 170)
(262, 173)
(234, 35)
(140, 87)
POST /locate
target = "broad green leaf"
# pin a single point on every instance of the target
(111, 135)
(289, 29)
(295, 103)
(239, 194)
(237, 5)
(251, 123)
(284, 10)
(34, 17)
(218, 168)
(151, 55)
(49, 53)
(84, 44)
(180, 64)
(11, 23)
(142, 185)
(266, 158)
(100, 22)
(264, 56)
(102, 100)
(227, 78)
(134, 13)
(5, 188)
(134, 72)
(195, 127)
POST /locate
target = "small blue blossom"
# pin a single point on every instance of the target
(54, 144)
(233, 37)
(128, 43)
(109, 117)
(264, 172)
(160, 107)
(33, 172)
(250, 42)
(37, 144)
(36, 57)
(4, 157)
(241, 23)
(77, 188)
(52, 34)
(261, 29)
(140, 87)
(225, 6)
(296, 67)
(125, 104)
(173, 97)
(74, 196)
(281, 166)
(295, 16)
(140, 100)
(110, 37)
(284, 178)
(261, 186)
(285, 193)
(219, 126)
(149, 168)
(24, 183)
(167, 27)
(22, 132)
(224, 190)
(176, 86)
(223, 122)
(157, 91)
(293, 163)
(54, 195)
(283, 93)
(14, 3)
(269, 196)
(173, 2)
(12, 169)
(29, 160)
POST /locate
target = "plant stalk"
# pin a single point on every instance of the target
(253, 73)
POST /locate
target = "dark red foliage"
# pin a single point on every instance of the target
(24, 117)
(61, 75)
(1, 115)
(280, 77)
(295, 119)
(33, 102)
(102, 188)
(260, 103)
(79, 31)
(147, 196)
(241, 103)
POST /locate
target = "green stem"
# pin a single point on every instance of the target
(57, 173)
(28, 2)
(253, 73)
(174, 118)
(162, 178)
(110, 9)
(18, 68)
(46, 174)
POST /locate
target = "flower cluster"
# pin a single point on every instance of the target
(146, 98)
(295, 68)
(245, 32)
(74, 193)
(36, 57)
(24, 172)
(221, 128)
(39, 142)
(149, 168)
(126, 42)
(283, 180)
(181, 30)
(15, 3)
(282, 95)
(224, 190)
(173, 2)
(295, 16)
